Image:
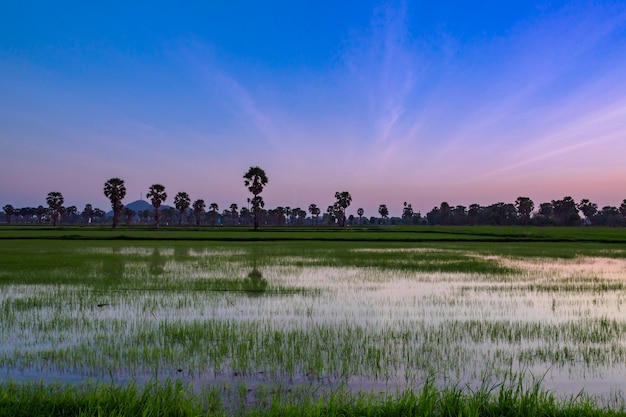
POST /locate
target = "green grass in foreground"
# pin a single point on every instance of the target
(175, 399)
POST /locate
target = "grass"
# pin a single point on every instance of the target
(175, 399)
(603, 235)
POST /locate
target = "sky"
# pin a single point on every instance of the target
(392, 101)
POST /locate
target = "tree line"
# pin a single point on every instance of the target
(563, 212)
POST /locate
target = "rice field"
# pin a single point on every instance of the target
(253, 323)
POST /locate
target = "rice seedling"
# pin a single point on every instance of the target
(254, 323)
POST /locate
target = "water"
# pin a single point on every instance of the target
(222, 316)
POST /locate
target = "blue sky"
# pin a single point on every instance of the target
(421, 102)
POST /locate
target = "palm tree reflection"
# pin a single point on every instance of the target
(254, 282)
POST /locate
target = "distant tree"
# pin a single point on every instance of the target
(244, 215)
(545, 215)
(499, 214)
(181, 202)
(360, 212)
(566, 212)
(301, 216)
(434, 216)
(40, 211)
(144, 215)
(87, 213)
(115, 191)
(524, 207)
(256, 179)
(55, 203)
(198, 210)
(213, 209)
(99, 214)
(129, 214)
(293, 215)
(473, 213)
(458, 215)
(315, 212)
(330, 213)
(169, 215)
(343, 200)
(9, 210)
(444, 213)
(622, 211)
(157, 196)
(383, 211)
(407, 212)
(608, 216)
(71, 214)
(588, 209)
(233, 212)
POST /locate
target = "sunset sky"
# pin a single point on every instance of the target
(421, 102)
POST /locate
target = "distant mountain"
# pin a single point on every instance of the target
(138, 206)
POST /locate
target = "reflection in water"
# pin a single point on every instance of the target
(255, 283)
(157, 262)
(113, 267)
(371, 328)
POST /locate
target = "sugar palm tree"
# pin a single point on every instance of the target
(255, 179)
(198, 210)
(115, 191)
(214, 207)
(360, 212)
(233, 212)
(383, 211)
(315, 212)
(55, 202)
(87, 213)
(182, 202)
(157, 196)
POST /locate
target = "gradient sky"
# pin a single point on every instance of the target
(421, 102)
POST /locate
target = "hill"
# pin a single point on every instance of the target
(138, 206)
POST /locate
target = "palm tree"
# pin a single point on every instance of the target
(157, 195)
(115, 191)
(360, 212)
(407, 212)
(198, 210)
(383, 211)
(213, 208)
(55, 202)
(255, 179)
(315, 211)
(182, 202)
(233, 212)
(87, 213)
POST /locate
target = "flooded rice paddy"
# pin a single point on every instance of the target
(261, 319)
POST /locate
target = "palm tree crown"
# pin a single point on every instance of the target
(255, 179)
(182, 202)
(115, 191)
(55, 202)
(157, 196)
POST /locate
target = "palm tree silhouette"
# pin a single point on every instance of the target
(255, 179)
(181, 201)
(157, 196)
(115, 191)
